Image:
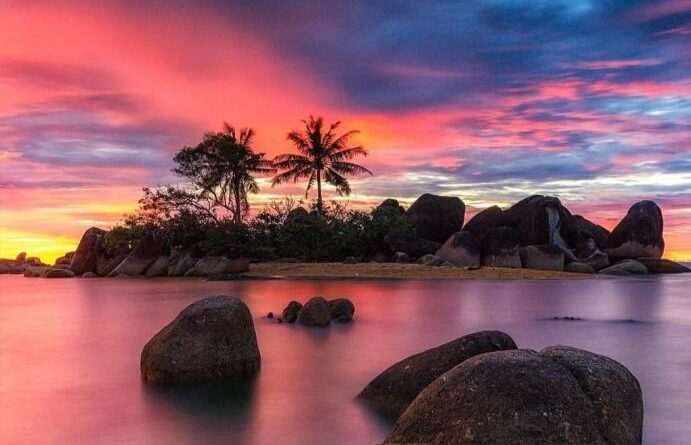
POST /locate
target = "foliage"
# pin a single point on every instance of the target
(323, 156)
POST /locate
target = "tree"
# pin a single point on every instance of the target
(221, 169)
(323, 156)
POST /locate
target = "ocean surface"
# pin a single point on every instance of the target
(69, 353)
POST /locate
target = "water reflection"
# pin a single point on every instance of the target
(69, 354)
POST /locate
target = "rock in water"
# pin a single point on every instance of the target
(393, 390)
(85, 258)
(662, 266)
(210, 340)
(143, 255)
(436, 218)
(543, 257)
(342, 310)
(290, 313)
(639, 234)
(625, 267)
(613, 389)
(500, 248)
(55, 272)
(561, 396)
(460, 250)
(316, 312)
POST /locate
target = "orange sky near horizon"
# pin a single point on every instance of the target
(96, 99)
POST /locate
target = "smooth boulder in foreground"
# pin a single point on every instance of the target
(562, 395)
(211, 340)
(393, 390)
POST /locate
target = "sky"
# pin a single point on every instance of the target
(487, 100)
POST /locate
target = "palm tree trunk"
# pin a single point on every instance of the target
(238, 205)
(319, 193)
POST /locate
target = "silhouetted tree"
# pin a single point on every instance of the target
(323, 156)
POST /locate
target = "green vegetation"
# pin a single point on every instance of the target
(208, 211)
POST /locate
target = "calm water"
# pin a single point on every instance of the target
(69, 354)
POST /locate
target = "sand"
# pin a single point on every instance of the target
(400, 271)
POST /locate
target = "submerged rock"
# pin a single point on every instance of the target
(211, 340)
(55, 272)
(316, 312)
(342, 310)
(393, 390)
(625, 267)
(560, 396)
(290, 313)
(639, 234)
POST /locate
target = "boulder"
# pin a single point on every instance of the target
(143, 255)
(106, 263)
(430, 260)
(500, 248)
(180, 263)
(158, 268)
(216, 265)
(34, 261)
(613, 390)
(461, 250)
(35, 271)
(8, 266)
(390, 203)
(542, 257)
(407, 242)
(65, 259)
(576, 231)
(85, 258)
(55, 272)
(590, 254)
(520, 397)
(401, 257)
(290, 313)
(578, 267)
(211, 340)
(90, 275)
(487, 219)
(21, 257)
(538, 220)
(662, 266)
(393, 390)
(639, 234)
(341, 310)
(316, 312)
(436, 218)
(624, 268)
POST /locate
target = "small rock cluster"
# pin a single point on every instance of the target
(317, 312)
(481, 388)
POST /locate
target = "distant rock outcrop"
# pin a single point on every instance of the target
(85, 258)
(143, 254)
(639, 234)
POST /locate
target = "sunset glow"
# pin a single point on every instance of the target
(588, 101)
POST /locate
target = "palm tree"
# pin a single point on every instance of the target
(323, 156)
(222, 167)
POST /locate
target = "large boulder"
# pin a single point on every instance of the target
(8, 266)
(578, 267)
(576, 231)
(543, 257)
(500, 248)
(180, 262)
(158, 268)
(55, 272)
(435, 217)
(211, 340)
(316, 312)
(538, 220)
(342, 310)
(107, 262)
(461, 250)
(625, 268)
(662, 266)
(35, 271)
(610, 386)
(152, 246)
(216, 265)
(21, 257)
(561, 396)
(487, 219)
(85, 258)
(639, 234)
(65, 259)
(591, 255)
(390, 203)
(393, 390)
(407, 242)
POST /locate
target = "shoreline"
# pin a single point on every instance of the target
(399, 271)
